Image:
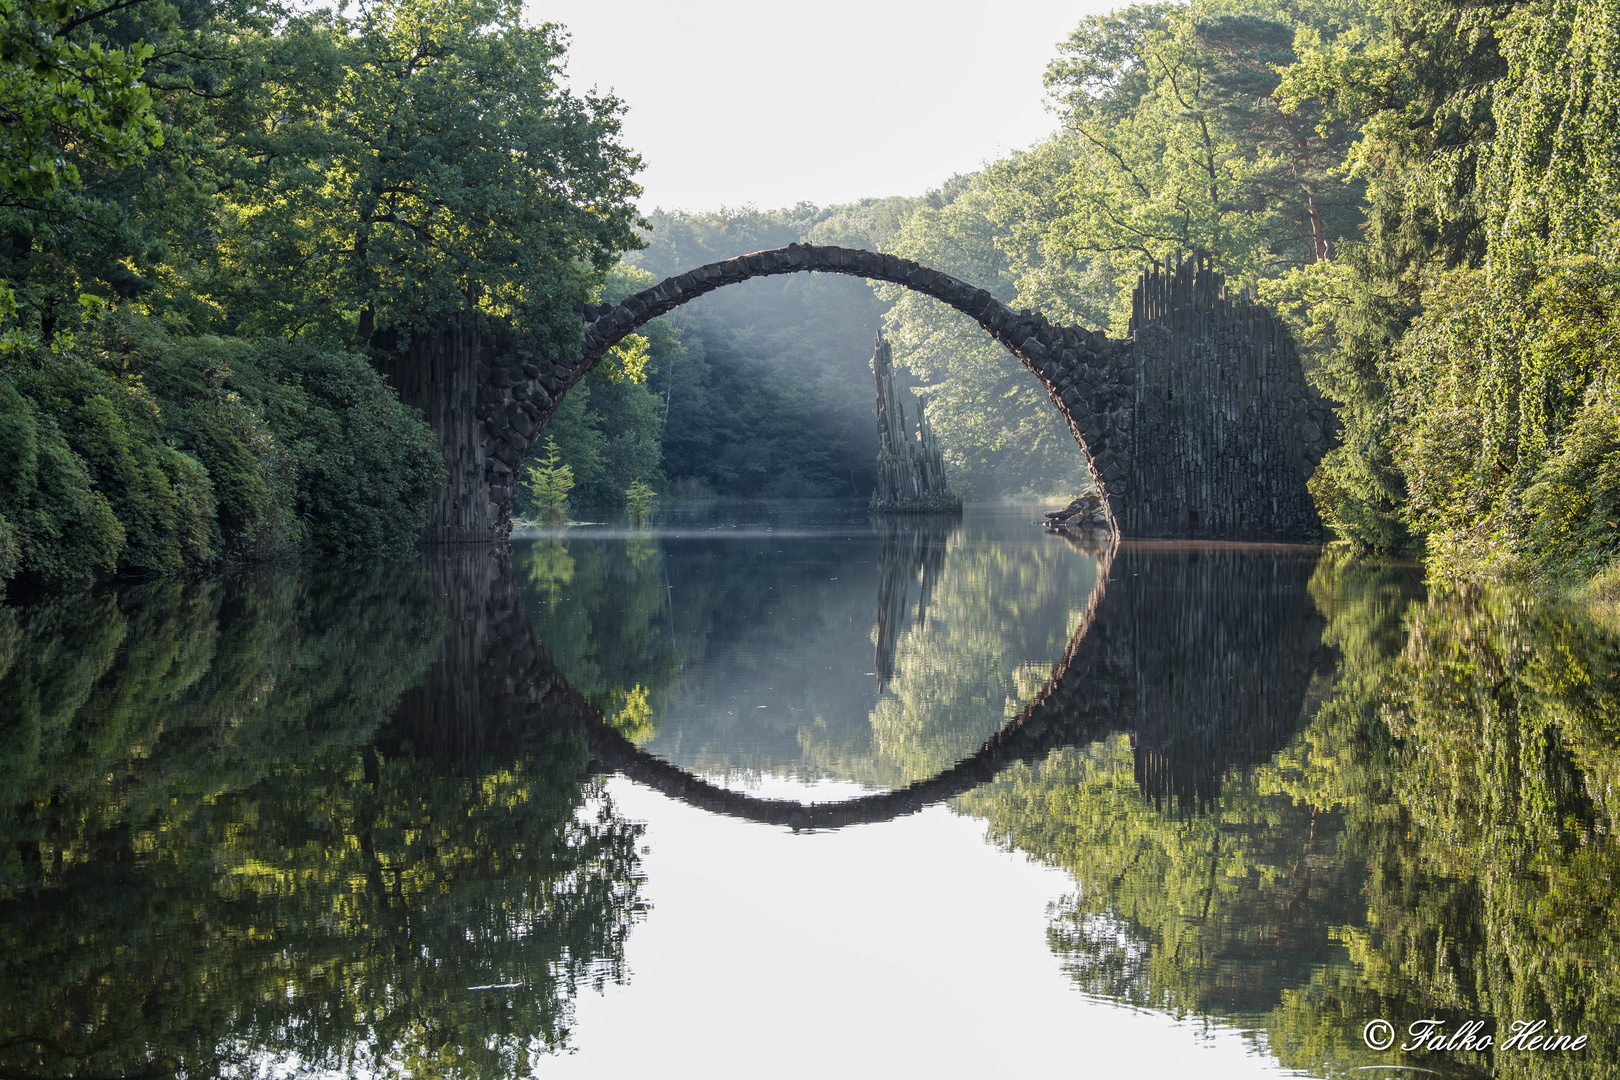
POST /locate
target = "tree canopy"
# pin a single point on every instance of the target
(418, 160)
(217, 219)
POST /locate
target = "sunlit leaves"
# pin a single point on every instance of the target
(65, 99)
(414, 161)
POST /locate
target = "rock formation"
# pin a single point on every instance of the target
(1084, 513)
(911, 472)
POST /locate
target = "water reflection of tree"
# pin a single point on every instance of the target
(1437, 841)
(991, 620)
(224, 849)
(1201, 662)
(602, 609)
(1481, 794)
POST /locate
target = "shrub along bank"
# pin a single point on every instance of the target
(133, 452)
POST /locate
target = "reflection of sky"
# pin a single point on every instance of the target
(911, 948)
(908, 949)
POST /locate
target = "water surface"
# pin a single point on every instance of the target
(781, 789)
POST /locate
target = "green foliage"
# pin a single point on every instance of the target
(1185, 915)
(1174, 140)
(66, 95)
(639, 499)
(766, 391)
(1407, 78)
(1502, 394)
(607, 433)
(138, 452)
(317, 176)
(1179, 142)
(66, 532)
(10, 551)
(1180, 136)
(125, 226)
(996, 426)
(626, 361)
(426, 159)
(109, 421)
(1548, 182)
(1467, 336)
(549, 482)
(365, 465)
(1575, 499)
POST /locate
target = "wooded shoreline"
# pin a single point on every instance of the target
(224, 259)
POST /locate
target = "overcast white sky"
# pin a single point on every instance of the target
(771, 103)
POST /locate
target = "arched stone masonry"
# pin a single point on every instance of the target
(1198, 425)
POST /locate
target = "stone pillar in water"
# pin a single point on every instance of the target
(911, 473)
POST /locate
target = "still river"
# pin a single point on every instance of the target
(780, 790)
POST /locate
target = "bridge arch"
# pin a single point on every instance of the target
(1227, 459)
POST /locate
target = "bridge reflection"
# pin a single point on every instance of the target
(1204, 654)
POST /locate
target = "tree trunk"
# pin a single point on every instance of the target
(438, 375)
(1319, 240)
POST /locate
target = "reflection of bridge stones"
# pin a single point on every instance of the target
(1204, 655)
(494, 689)
(1200, 424)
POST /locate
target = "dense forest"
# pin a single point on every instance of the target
(225, 224)
(222, 224)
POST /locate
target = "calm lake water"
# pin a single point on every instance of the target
(782, 790)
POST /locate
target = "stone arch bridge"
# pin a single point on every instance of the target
(1198, 425)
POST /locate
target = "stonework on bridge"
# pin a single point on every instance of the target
(1199, 425)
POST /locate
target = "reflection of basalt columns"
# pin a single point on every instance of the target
(494, 687)
(1225, 646)
(913, 548)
